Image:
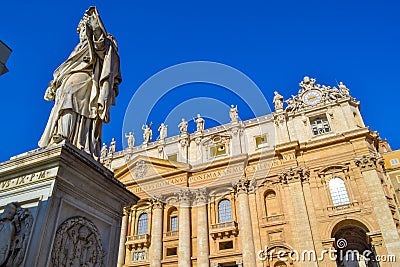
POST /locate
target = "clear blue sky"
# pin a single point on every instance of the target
(275, 43)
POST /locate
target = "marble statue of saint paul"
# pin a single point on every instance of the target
(84, 88)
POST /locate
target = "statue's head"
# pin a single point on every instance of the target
(9, 211)
(83, 232)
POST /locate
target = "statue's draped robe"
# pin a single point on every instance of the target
(86, 86)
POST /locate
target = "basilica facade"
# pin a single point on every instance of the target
(307, 179)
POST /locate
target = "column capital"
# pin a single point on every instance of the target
(279, 119)
(295, 174)
(126, 210)
(369, 162)
(201, 195)
(157, 202)
(237, 129)
(241, 186)
(185, 196)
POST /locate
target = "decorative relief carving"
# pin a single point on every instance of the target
(311, 94)
(236, 130)
(15, 228)
(139, 255)
(295, 174)
(184, 142)
(279, 119)
(369, 162)
(140, 169)
(77, 243)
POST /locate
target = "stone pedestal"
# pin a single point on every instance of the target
(67, 205)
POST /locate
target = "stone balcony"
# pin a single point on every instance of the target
(225, 229)
(271, 220)
(344, 208)
(171, 235)
(137, 241)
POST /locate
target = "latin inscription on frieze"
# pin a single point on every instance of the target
(27, 179)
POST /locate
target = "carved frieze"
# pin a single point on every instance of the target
(295, 174)
(77, 243)
(15, 228)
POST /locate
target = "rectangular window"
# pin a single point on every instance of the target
(174, 223)
(218, 150)
(173, 157)
(226, 245)
(398, 178)
(320, 125)
(261, 141)
(172, 251)
(394, 161)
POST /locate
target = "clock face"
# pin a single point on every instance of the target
(312, 97)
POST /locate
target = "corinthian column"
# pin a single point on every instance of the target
(202, 228)
(184, 228)
(155, 252)
(124, 227)
(245, 229)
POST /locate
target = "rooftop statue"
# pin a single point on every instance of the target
(163, 131)
(233, 113)
(147, 133)
(278, 101)
(83, 88)
(199, 123)
(183, 125)
(131, 140)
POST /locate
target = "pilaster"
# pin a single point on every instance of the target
(294, 178)
(370, 166)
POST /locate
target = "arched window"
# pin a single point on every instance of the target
(338, 192)
(173, 220)
(143, 224)
(224, 211)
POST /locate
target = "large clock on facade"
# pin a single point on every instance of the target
(312, 97)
